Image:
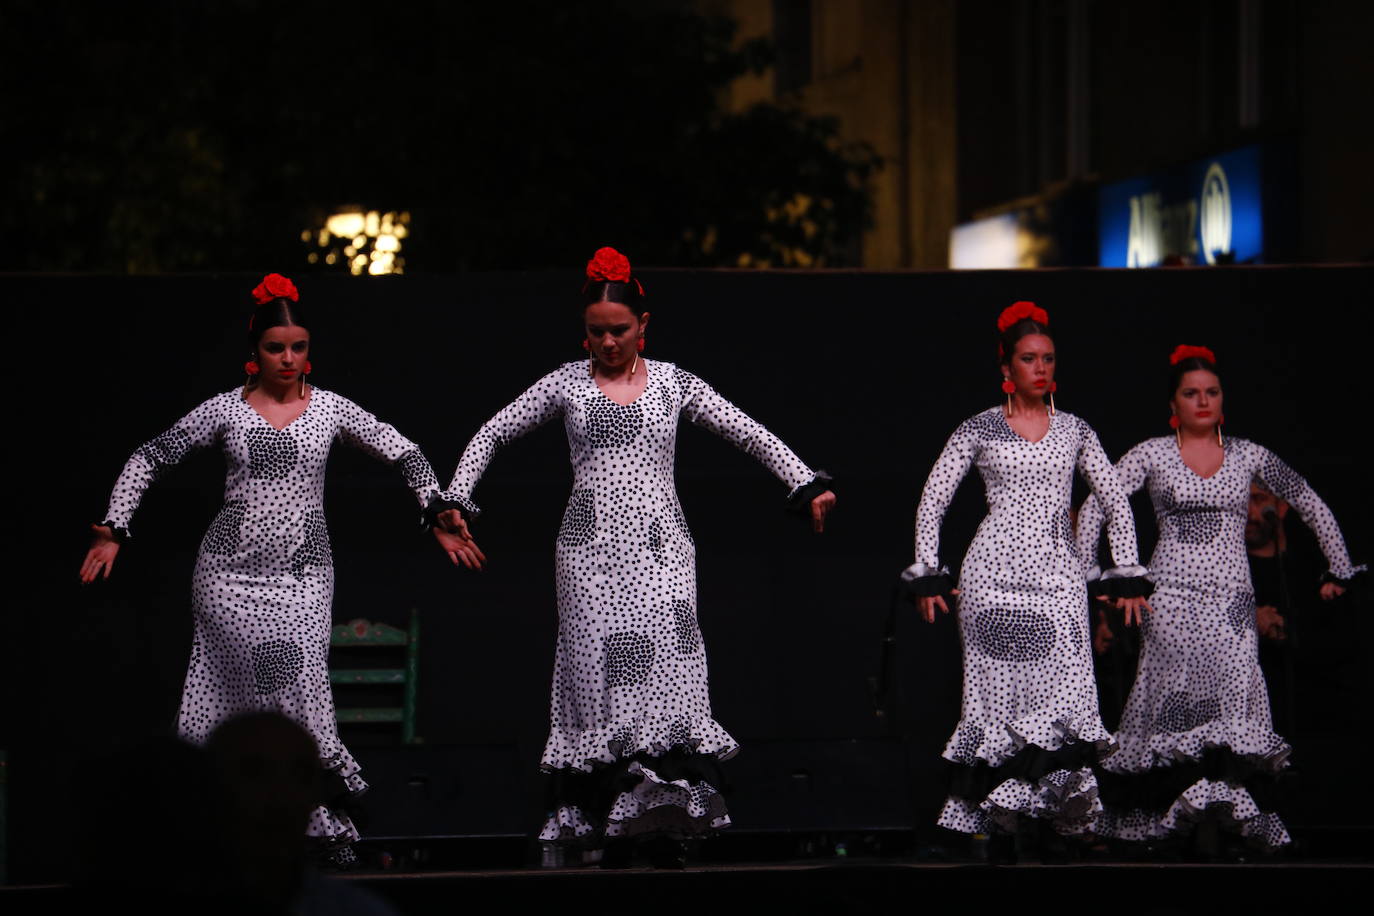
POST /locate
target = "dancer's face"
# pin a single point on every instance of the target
(613, 330)
(1197, 402)
(1031, 367)
(282, 352)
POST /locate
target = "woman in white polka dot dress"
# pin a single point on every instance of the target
(1196, 734)
(1029, 730)
(633, 747)
(264, 578)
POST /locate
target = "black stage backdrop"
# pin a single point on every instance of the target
(862, 374)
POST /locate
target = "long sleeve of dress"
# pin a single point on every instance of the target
(363, 431)
(707, 409)
(1107, 486)
(198, 429)
(1132, 470)
(539, 404)
(1290, 486)
(950, 468)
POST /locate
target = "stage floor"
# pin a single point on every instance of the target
(866, 886)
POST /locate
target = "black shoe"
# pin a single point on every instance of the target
(1002, 849)
(619, 852)
(666, 852)
(1054, 849)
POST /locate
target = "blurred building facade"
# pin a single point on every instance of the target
(1031, 108)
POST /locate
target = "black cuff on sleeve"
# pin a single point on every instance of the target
(1129, 587)
(120, 534)
(800, 500)
(928, 586)
(1329, 576)
(436, 505)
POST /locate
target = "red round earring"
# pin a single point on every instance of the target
(641, 345)
(1054, 386)
(1008, 386)
(586, 345)
(308, 369)
(1173, 420)
(251, 367)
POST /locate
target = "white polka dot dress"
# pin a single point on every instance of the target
(1029, 729)
(1196, 732)
(264, 578)
(632, 743)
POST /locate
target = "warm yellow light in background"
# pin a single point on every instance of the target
(364, 240)
(346, 224)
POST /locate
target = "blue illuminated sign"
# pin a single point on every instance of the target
(1205, 212)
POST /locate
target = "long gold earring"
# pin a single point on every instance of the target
(1008, 386)
(634, 365)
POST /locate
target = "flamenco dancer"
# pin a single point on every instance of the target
(1197, 744)
(633, 750)
(1029, 731)
(264, 577)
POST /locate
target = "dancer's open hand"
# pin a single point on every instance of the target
(819, 507)
(461, 548)
(100, 558)
(927, 604)
(1332, 590)
(1132, 608)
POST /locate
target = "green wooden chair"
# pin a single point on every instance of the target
(359, 634)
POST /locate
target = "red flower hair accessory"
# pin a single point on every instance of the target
(609, 266)
(275, 286)
(1020, 310)
(1183, 351)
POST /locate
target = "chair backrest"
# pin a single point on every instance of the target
(360, 632)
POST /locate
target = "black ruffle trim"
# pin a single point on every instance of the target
(120, 534)
(595, 792)
(800, 501)
(929, 586)
(436, 505)
(1129, 587)
(975, 781)
(333, 793)
(1327, 576)
(1157, 789)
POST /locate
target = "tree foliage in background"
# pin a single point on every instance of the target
(170, 136)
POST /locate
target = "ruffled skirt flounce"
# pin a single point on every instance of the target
(627, 790)
(1241, 791)
(996, 782)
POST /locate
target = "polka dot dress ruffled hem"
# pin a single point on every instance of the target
(1068, 799)
(654, 805)
(1233, 804)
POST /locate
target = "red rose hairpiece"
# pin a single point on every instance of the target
(1018, 311)
(1183, 351)
(275, 286)
(609, 266)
